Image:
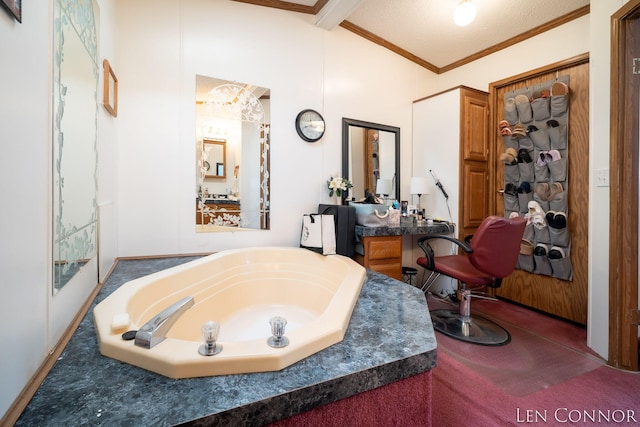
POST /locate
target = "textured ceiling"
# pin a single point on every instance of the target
(425, 28)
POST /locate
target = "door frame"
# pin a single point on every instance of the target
(623, 202)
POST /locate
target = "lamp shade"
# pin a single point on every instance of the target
(419, 185)
(384, 186)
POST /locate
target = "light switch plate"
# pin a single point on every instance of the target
(602, 177)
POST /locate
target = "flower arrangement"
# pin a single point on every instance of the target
(338, 185)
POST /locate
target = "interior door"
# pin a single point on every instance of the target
(566, 299)
(623, 227)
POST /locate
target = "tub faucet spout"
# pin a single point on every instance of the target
(155, 330)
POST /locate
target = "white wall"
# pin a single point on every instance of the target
(107, 147)
(436, 131)
(25, 216)
(436, 135)
(27, 303)
(163, 44)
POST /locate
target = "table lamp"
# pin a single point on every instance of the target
(384, 187)
(419, 186)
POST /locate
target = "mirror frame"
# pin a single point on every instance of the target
(346, 122)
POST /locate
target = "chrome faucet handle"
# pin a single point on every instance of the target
(278, 340)
(210, 332)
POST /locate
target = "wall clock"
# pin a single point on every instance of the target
(310, 125)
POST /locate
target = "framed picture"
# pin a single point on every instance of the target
(15, 7)
(110, 94)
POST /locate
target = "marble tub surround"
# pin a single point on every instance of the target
(390, 338)
(241, 289)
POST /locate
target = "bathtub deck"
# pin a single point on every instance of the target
(390, 338)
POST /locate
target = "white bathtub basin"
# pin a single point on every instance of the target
(240, 289)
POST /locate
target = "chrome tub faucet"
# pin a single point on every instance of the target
(155, 330)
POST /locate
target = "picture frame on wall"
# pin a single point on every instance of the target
(14, 7)
(110, 94)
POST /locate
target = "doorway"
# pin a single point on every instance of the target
(623, 231)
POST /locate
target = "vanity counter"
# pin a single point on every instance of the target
(221, 201)
(406, 227)
(380, 248)
(390, 338)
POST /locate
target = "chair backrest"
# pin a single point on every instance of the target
(496, 245)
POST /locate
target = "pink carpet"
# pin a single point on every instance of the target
(405, 403)
(601, 396)
(528, 363)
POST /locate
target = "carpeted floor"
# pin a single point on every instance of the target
(533, 379)
(529, 363)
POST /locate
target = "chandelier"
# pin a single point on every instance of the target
(233, 101)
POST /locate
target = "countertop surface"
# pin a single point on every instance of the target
(407, 227)
(221, 201)
(390, 337)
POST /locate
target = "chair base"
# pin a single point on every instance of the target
(475, 329)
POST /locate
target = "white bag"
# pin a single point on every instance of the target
(318, 234)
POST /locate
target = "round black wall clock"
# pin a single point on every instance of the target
(310, 125)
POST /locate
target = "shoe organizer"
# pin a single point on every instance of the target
(543, 110)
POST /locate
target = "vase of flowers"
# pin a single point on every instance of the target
(338, 187)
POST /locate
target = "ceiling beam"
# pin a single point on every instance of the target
(334, 12)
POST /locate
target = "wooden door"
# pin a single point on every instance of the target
(567, 299)
(474, 162)
(625, 157)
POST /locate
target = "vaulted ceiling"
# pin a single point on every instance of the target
(423, 31)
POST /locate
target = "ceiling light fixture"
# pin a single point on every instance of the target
(465, 13)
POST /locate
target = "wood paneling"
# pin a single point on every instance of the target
(567, 299)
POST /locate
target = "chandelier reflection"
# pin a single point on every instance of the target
(233, 101)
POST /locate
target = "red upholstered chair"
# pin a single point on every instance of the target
(489, 255)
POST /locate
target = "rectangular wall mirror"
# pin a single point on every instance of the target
(370, 157)
(75, 137)
(232, 155)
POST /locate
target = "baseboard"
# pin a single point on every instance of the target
(30, 389)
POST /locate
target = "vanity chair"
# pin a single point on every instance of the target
(488, 256)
